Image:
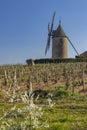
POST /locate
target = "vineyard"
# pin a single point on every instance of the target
(43, 96)
(68, 74)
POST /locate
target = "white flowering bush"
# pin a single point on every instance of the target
(27, 117)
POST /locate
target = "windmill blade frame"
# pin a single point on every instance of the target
(52, 23)
(49, 27)
(73, 46)
(48, 44)
(49, 33)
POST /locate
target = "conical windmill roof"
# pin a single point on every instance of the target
(59, 32)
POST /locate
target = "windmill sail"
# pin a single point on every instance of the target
(52, 21)
(49, 34)
(48, 44)
(73, 46)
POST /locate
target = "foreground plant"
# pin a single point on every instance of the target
(29, 115)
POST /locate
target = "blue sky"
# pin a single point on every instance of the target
(23, 27)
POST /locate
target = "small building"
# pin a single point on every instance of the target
(30, 62)
(84, 54)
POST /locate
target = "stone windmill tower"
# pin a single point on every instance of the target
(59, 41)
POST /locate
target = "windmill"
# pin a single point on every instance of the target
(59, 41)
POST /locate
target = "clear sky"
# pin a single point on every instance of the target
(23, 27)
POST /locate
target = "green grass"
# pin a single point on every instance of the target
(66, 114)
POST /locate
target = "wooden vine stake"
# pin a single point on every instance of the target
(15, 78)
(46, 77)
(83, 79)
(66, 76)
(5, 78)
(73, 82)
(37, 80)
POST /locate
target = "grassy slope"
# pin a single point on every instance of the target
(69, 114)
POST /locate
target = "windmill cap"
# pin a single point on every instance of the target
(59, 32)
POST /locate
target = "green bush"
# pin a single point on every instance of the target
(61, 93)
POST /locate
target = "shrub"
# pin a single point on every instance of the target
(61, 93)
